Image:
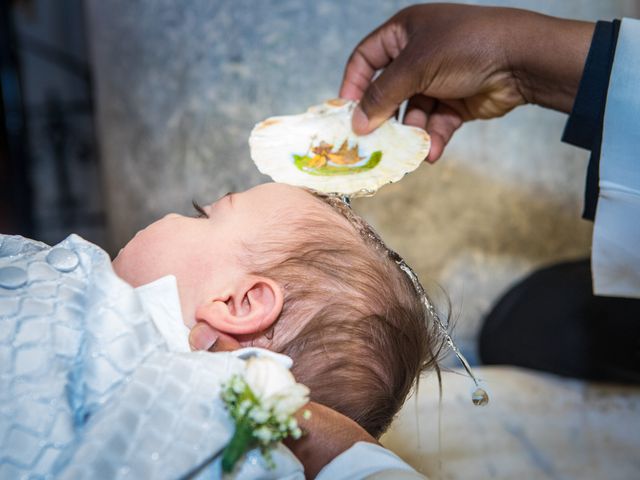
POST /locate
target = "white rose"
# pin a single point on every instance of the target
(290, 400)
(275, 386)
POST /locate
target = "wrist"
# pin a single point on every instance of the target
(328, 434)
(547, 57)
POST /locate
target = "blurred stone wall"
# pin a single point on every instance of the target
(181, 83)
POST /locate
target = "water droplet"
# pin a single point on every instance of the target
(155, 456)
(480, 397)
(12, 277)
(62, 259)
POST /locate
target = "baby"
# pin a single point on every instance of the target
(93, 381)
(281, 268)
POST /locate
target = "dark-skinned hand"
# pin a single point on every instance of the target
(327, 433)
(456, 63)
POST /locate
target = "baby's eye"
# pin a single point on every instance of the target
(200, 213)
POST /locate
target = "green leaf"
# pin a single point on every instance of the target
(241, 442)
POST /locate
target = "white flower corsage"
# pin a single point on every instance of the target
(262, 402)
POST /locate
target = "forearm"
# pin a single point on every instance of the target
(547, 56)
(328, 434)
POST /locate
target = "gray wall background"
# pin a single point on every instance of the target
(180, 84)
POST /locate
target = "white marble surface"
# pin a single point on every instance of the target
(537, 426)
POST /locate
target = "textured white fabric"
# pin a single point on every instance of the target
(367, 460)
(88, 386)
(616, 235)
(248, 352)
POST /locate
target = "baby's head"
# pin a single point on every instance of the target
(281, 268)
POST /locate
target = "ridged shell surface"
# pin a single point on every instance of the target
(318, 149)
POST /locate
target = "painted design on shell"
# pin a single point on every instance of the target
(325, 159)
(318, 150)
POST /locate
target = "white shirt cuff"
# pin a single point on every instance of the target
(368, 461)
(616, 235)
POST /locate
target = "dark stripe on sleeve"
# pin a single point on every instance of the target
(584, 126)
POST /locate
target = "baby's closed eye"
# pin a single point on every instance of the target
(200, 213)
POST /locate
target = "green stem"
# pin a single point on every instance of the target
(241, 442)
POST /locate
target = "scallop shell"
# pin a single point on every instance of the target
(318, 149)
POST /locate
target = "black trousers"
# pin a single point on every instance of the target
(552, 322)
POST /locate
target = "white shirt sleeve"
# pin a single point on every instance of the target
(616, 237)
(368, 461)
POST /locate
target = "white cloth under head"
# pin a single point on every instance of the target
(161, 301)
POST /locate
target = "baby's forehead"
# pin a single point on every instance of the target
(302, 199)
(309, 208)
(333, 206)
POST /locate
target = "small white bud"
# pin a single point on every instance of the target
(237, 385)
(263, 434)
(259, 415)
(293, 424)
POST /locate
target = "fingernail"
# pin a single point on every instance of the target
(202, 337)
(359, 122)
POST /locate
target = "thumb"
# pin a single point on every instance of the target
(204, 337)
(382, 98)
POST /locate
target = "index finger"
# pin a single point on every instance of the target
(374, 52)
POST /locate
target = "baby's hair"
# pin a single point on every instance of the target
(356, 327)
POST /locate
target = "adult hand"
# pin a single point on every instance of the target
(204, 337)
(328, 434)
(456, 63)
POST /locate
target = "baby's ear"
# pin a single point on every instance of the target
(249, 306)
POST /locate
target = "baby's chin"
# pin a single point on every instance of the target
(134, 265)
(116, 260)
(122, 268)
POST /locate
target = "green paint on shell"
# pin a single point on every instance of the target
(302, 163)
